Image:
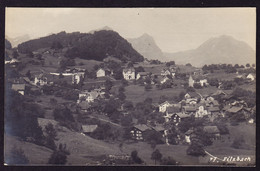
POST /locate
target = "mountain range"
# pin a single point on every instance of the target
(104, 41)
(97, 45)
(222, 49)
(18, 40)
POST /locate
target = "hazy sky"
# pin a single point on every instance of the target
(173, 29)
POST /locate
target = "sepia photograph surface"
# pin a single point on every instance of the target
(130, 86)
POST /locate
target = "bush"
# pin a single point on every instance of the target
(136, 158)
(197, 86)
(59, 156)
(195, 150)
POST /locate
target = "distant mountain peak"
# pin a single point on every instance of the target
(106, 28)
(224, 49)
(146, 46)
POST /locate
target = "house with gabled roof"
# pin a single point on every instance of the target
(213, 131)
(170, 111)
(20, 88)
(101, 72)
(138, 130)
(165, 72)
(188, 135)
(84, 106)
(86, 129)
(163, 106)
(189, 109)
(142, 75)
(129, 73)
(178, 117)
(201, 112)
(251, 76)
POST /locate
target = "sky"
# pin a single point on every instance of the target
(173, 29)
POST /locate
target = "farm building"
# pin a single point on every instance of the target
(129, 73)
(213, 131)
(138, 130)
(20, 88)
(86, 129)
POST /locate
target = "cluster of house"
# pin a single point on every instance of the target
(250, 76)
(198, 106)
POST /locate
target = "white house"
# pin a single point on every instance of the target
(251, 77)
(163, 106)
(20, 88)
(77, 77)
(164, 79)
(201, 112)
(203, 82)
(129, 73)
(40, 80)
(165, 72)
(101, 72)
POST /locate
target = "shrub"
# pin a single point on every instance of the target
(195, 150)
(135, 157)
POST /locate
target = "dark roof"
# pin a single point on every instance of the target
(193, 94)
(211, 129)
(172, 109)
(142, 127)
(158, 128)
(89, 128)
(213, 109)
(143, 73)
(128, 69)
(182, 115)
(189, 108)
(84, 105)
(190, 131)
(234, 109)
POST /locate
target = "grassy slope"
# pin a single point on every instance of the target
(136, 93)
(221, 148)
(36, 154)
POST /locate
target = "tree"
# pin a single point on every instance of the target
(121, 96)
(253, 65)
(108, 85)
(135, 157)
(195, 150)
(247, 65)
(16, 156)
(139, 69)
(51, 136)
(56, 45)
(15, 54)
(156, 156)
(30, 54)
(130, 64)
(126, 121)
(188, 64)
(28, 74)
(197, 86)
(59, 156)
(168, 64)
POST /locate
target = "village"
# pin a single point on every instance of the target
(149, 102)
